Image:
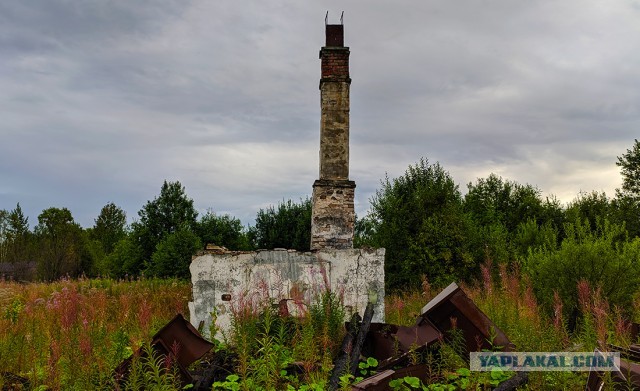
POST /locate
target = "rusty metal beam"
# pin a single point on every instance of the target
(452, 308)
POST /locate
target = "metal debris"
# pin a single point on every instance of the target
(178, 341)
(626, 377)
(452, 309)
(390, 344)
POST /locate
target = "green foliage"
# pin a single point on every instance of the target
(230, 383)
(364, 232)
(222, 230)
(494, 200)
(625, 209)
(418, 218)
(16, 243)
(125, 259)
(62, 248)
(603, 257)
(629, 164)
(150, 371)
(327, 317)
(286, 226)
(171, 211)
(592, 207)
(438, 250)
(267, 344)
(530, 236)
(109, 227)
(173, 254)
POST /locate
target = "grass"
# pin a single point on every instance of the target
(70, 335)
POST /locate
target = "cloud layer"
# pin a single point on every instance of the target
(102, 101)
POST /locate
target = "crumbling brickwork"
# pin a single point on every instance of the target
(333, 217)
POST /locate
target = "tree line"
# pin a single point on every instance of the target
(167, 232)
(428, 227)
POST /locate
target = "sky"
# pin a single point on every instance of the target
(101, 101)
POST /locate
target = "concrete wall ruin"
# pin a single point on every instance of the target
(226, 281)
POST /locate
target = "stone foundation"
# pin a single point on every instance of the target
(224, 282)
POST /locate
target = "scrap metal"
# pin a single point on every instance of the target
(179, 342)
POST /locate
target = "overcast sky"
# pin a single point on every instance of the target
(100, 101)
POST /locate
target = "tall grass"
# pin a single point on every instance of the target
(72, 334)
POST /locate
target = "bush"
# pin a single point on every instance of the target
(602, 257)
(173, 254)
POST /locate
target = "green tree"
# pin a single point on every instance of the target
(626, 204)
(19, 244)
(171, 211)
(222, 230)
(4, 237)
(594, 207)
(109, 226)
(530, 236)
(418, 218)
(173, 254)
(495, 200)
(61, 246)
(125, 259)
(286, 226)
(364, 232)
(18, 222)
(629, 164)
(626, 210)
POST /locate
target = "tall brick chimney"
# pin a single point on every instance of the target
(333, 215)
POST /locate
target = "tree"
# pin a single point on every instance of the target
(19, 244)
(222, 230)
(171, 211)
(495, 200)
(629, 164)
(287, 226)
(418, 218)
(4, 239)
(593, 207)
(173, 254)
(61, 249)
(125, 259)
(109, 226)
(18, 223)
(626, 204)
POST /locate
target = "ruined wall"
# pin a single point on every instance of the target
(226, 281)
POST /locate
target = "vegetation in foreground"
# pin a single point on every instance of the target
(70, 335)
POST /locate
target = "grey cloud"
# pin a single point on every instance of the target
(101, 101)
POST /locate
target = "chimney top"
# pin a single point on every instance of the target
(334, 32)
(335, 35)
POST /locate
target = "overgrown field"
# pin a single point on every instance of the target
(72, 334)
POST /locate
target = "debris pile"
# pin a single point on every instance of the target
(392, 345)
(451, 314)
